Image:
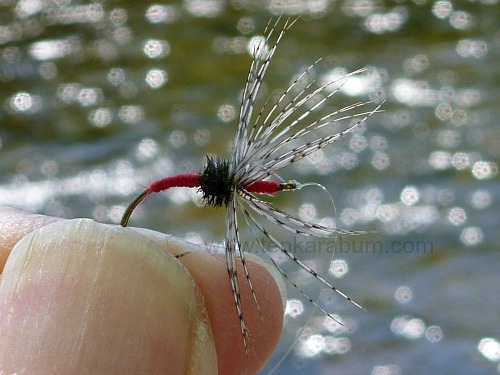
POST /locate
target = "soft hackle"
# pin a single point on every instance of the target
(261, 148)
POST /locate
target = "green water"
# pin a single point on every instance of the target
(99, 100)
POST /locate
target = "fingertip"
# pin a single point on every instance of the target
(210, 273)
(264, 326)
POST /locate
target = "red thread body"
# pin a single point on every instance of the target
(263, 187)
(189, 180)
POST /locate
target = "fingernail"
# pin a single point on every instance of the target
(178, 246)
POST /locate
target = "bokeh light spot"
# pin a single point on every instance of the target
(177, 138)
(483, 170)
(338, 268)
(21, 102)
(155, 49)
(457, 216)
(480, 199)
(147, 149)
(131, 114)
(202, 137)
(489, 348)
(204, 8)
(156, 78)
(471, 236)
(161, 14)
(410, 195)
(442, 9)
(226, 113)
(294, 308)
(100, 117)
(380, 161)
(461, 20)
(403, 294)
(434, 334)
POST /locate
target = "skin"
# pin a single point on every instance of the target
(77, 296)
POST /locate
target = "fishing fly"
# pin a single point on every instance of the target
(281, 133)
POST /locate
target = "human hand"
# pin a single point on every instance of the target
(81, 297)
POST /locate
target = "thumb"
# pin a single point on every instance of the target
(82, 297)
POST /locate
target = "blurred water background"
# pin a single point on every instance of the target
(101, 98)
